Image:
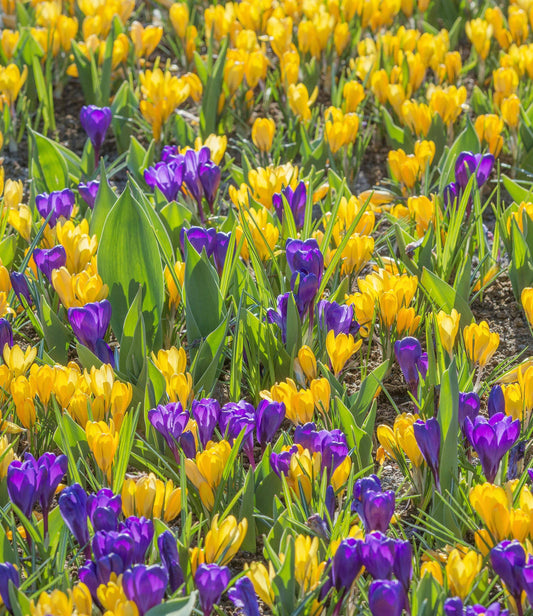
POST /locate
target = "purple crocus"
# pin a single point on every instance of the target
(408, 355)
(336, 317)
(103, 509)
(450, 195)
(468, 163)
(453, 607)
(89, 324)
(168, 550)
(22, 484)
(72, 506)
(469, 405)
(236, 417)
(269, 416)
(20, 286)
(492, 438)
(95, 121)
(243, 597)
(496, 401)
(58, 203)
(6, 334)
(296, 199)
(199, 238)
(386, 598)
(279, 316)
(306, 263)
(88, 192)
(220, 250)
(170, 420)
(95, 573)
(377, 552)
(377, 509)
(428, 437)
(47, 260)
(145, 586)
(360, 487)
(211, 581)
(8, 573)
(281, 462)
(403, 563)
(50, 471)
(167, 176)
(209, 174)
(206, 413)
(346, 564)
(105, 543)
(508, 558)
(142, 532)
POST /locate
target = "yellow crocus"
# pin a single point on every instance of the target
(480, 342)
(340, 348)
(461, 571)
(263, 130)
(448, 325)
(57, 602)
(300, 102)
(307, 362)
(103, 442)
(17, 360)
(321, 390)
(205, 471)
(222, 542)
(491, 504)
(527, 303)
(151, 497)
(261, 578)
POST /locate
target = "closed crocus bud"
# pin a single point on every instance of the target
(337, 317)
(170, 420)
(145, 586)
(49, 260)
(269, 416)
(209, 175)
(469, 405)
(90, 322)
(220, 250)
(377, 552)
(491, 439)
(507, 559)
(263, 130)
(103, 509)
(377, 510)
(510, 109)
(167, 176)
(95, 122)
(50, 471)
(448, 325)
(340, 348)
(296, 199)
(72, 506)
(408, 353)
(142, 532)
(20, 286)
(168, 550)
(450, 194)
(480, 342)
(22, 484)
(468, 163)
(89, 191)
(347, 563)
(428, 436)
(243, 597)
(8, 573)
(206, 413)
(453, 607)
(57, 204)
(496, 401)
(386, 598)
(211, 581)
(199, 239)
(403, 563)
(462, 569)
(6, 333)
(307, 363)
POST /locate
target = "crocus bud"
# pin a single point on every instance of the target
(72, 506)
(89, 191)
(496, 401)
(20, 286)
(386, 598)
(507, 559)
(49, 260)
(244, 598)
(8, 573)
(269, 416)
(58, 202)
(347, 563)
(428, 436)
(168, 549)
(211, 581)
(145, 586)
(377, 552)
(95, 122)
(6, 333)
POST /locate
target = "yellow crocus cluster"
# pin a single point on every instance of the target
(150, 497)
(263, 183)
(505, 81)
(221, 543)
(519, 395)
(79, 246)
(172, 364)
(113, 598)
(480, 342)
(501, 518)
(205, 471)
(341, 129)
(62, 604)
(447, 102)
(300, 403)
(408, 169)
(480, 32)
(161, 93)
(400, 438)
(76, 290)
(417, 116)
(308, 570)
(144, 39)
(99, 14)
(103, 442)
(8, 41)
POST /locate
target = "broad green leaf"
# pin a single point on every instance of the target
(175, 607)
(105, 200)
(517, 192)
(49, 167)
(444, 297)
(57, 336)
(247, 511)
(206, 362)
(8, 248)
(128, 258)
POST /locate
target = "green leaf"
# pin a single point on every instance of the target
(135, 159)
(174, 216)
(247, 511)
(362, 400)
(394, 133)
(206, 363)
(57, 335)
(125, 444)
(87, 358)
(128, 257)
(183, 606)
(105, 200)
(8, 249)
(284, 582)
(444, 297)
(517, 192)
(49, 169)
(133, 342)
(212, 91)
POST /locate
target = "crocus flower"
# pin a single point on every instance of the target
(22, 484)
(281, 462)
(199, 239)
(170, 420)
(507, 559)
(453, 607)
(103, 509)
(269, 416)
(6, 333)
(20, 286)
(347, 563)
(450, 194)
(361, 486)
(47, 260)
(403, 563)
(211, 581)
(338, 317)
(305, 256)
(50, 471)
(72, 506)
(377, 553)
(296, 199)
(469, 405)
(492, 438)
(209, 175)
(236, 417)
(168, 550)
(95, 573)
(95, 122)
(386, 598)
(105, 543)
(167, 176)
(88, 192)
(428, 436)
(89, 324)
(206, 413)
(468, 163)
(496, 401)
(59, 203)
(243, 597)
(377, 509)
(142, 532)
(8, 573)
(408, 353)
(279, 316)
(145, 586)
(220, 250)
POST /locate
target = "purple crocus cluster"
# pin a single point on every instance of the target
(413, 362)
(515, 569)
(55, 204)
(35, 481)
(454, 607)
(89, 324)
(374, 506)
(466, 165)
(330, 444)
(296, 199)
(215, 243)
(171, 420)
(192, 173)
